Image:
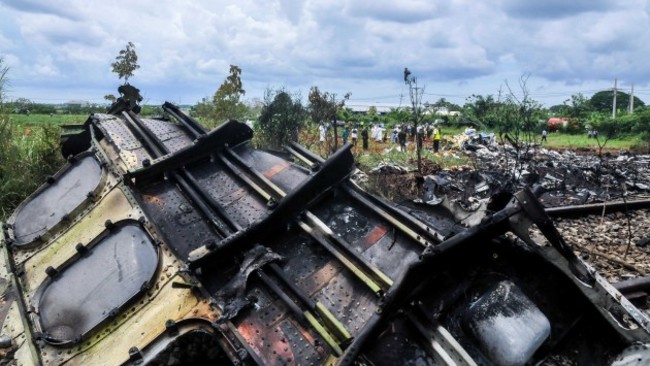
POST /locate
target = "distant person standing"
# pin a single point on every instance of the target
(321, 130)
(420, 137)
(401, 138)
(437, 135)
(345, 135)
(364, 137)
(354, 136)
(544, 133)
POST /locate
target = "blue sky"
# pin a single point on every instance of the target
(60, 51)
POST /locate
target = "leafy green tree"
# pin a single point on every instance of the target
(323, 107)
(22, 106)
(559, 110)
(398, 116)
(110, 97)
(642, 124)
(204, 108)
(481, 109)
(344, 114)
(39, 108)
(443, 103)
(126, 63)
(580, 106)
(636, 123)
(602, 101)
(227, 99)
(517, 118)
(579, 111)
(607, 128)
(281, 119)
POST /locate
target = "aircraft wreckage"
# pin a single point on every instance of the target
(161, 243)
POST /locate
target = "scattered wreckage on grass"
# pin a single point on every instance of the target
(160, 243)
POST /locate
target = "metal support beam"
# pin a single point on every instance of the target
(228, 134)
(336, 169)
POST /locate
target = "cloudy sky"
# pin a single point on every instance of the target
(59, 51)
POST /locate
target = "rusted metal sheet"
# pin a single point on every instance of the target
(249, 258)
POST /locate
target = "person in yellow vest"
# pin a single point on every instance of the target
(437, 135)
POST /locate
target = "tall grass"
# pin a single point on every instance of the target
(27, 157)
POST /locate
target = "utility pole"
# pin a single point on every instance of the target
(415, 93)
(614, 102)
(632, 100)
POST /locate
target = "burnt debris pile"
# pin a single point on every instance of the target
(559, 178)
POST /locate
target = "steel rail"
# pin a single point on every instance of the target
(597, 208)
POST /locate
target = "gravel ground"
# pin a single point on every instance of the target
(609, 243)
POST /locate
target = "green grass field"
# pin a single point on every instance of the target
(567, 141)
(40, 120)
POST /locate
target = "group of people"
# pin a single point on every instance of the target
(400, 134)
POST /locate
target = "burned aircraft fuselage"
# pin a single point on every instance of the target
(161, 242)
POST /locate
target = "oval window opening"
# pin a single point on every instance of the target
(87, 292)
(48, 207)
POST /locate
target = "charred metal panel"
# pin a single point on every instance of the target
(57, 200)
(207, 145)
(306, 263)
(281, 172)
(378, 241)
(178, 221)
(119, 266)
(320, 275)
(170, 134)
(239, 201)
(277, 339)
(348, 299)
(400, 345)
(129, 148)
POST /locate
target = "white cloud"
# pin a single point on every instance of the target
(459, 47)
(45, 67)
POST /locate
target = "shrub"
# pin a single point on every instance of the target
(27, 157)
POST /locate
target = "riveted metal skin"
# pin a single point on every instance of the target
(255, 260)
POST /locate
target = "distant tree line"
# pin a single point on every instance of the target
(25, 106)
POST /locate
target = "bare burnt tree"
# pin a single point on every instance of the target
(520, 119)
(415, 94)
